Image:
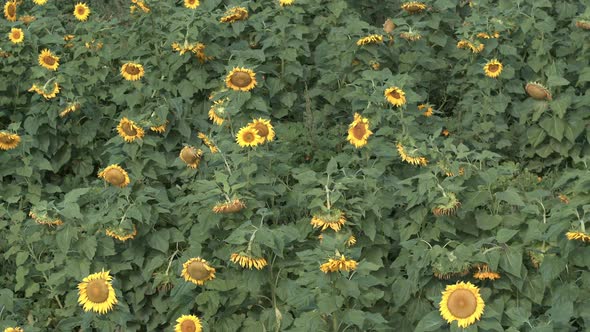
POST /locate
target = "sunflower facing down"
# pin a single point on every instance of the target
(577, 235)
(449, 207)
(71, 108)
(371, 39)
(96, 293)
(410, 35)
(121, 234)
(47, 94)
(16, 35)
(537, 91)
(333, 219)
(81, 11)
(358, 131)
(340, 264)
(248, 136)
(233, 206)
(191, 4)
(132, 71)
(197, 271)
(583, 24)
(129, 130)
(208, 142)
(264, 129)
(10, 10)
(395, 96)
(413, 7)
(493, 68)
(160, 128)
(27, 19)
(217, 112)
(44, 219)
(8, 141)
(188, 323)
(248, 261)
(484, 272)
(241, 79)
(410, 158)
(48, 60)
(461, 302)
(234, 14)
(115, 175)
(191, 156)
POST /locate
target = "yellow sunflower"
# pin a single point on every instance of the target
(129, 130)
(141, 5)
(493, 68)
(217, 112)
(132, 71)
(284, 3)
(234, 14)
(188, 323)
(115, 175)
(96, 293)
(81, 11)
(10, 10)
(120, 233)
(159, 129)
(351, 241)
(48, 60)
(241, 79)
(40, 2)
(371, 39)
(43, 219)
(461, 302)
(197, 271)
(27, 19)
(410, 35)
(358, 131)
(233, 206)
(449, 207)
(429, 110)
(537, 91)
(413, 7)
(248, 261)
(16, 35)
(248, 136)
(484, 272)
(333, 219)
(191, 4)
(395, 96)
(264, 129)
(8, 141)
(409, 157)
(47, 94)
(13, 329)
(191, 156)
(339, 264)
(577, 235)
(208, 142)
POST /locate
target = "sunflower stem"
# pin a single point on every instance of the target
(328, 203)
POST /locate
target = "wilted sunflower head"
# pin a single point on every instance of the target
(413, 7)
(461, 302)
(48, 60)
(395, 96)
(264, 129)
(10, 10)
(234, 14)
(358, 131)
(8, 141)
(339, 264)
(16, 35)
(197, 271)
(132, 71)
(410, 35)
(241, 79)
(493, 68)
(448, 207)
(191, 156)
(537, 91)
(191, 4)
(115, 175)
(27, 19)
(96, 293)
(333, 219)
(388, 26)
(81, 11)
(233, 206)
(583, 24)
(249, 261)
(129, 130)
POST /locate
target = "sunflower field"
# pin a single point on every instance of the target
(294, 165)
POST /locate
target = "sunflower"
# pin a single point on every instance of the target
(375, 65)
(248, 261)
(40, 2)
(132, 71)
(191, 4)
(428, 112)
(241, 79)
(410, 35)
(48, 60)
(485, 35)
(395, 96)
(409, 157)
(371, 39)
(8, 141)
(580, 236)
(208, 142)
(10, 10)
(465, 44)
(484, 272)
(81, 11)
(199, 51)
(358, 131)
(563, 198)
(339, 264)
(47, 94)
(284, 3)
(13, 329)
(159, 129)
(264, 129)
(445, 132)
(582, 24)
(115, 175)
(129, 130)
(93, 45)
(27, 19)
(120, 233)
(449, 207)
(16, 35)
(191, 156)
(96, 293)
(236, 205)
(413, 7)
(493, 68)
(461, 302)
(248, 136)
(351, 241)
(446, 275)
(44, 219)
(234, 14)
(188, 323)
(217, 111)
(197, 271)
(333, 219)
(537, 91)
(141, 5)
(388, 26)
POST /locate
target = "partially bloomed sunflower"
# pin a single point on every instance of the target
(333, 219)
(413, 7)
(8, 141)
(371, 39)
(234, 14)
(96, 293)
(462, 303)
(248, 261)
(284, 3)
(120, 233)
(188, 323)
(48, 92)
(16, 35)
(129, 130)
(191, 156)
(493, 68)
(13, 329)
(233, 206)
(358, 131)
(44, 219)
(71, 108)
(48, 60)
(395, 96)
(339, 264)
(248, 136)
(197, 271)
(577, 235)
(264, 129)
(132, 71)
(81, 11)
(484, 272)
(115, 175)
(10, 10)
(208, 142)
(217, 112)
(410, 157)
(429, 110)
(241, 79)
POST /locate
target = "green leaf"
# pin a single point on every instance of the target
(554, 127)
(486, 221)
(159, 240)
(511, 197)
(431, 322)
(504, 235)
(511, 261)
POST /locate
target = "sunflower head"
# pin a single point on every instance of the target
(10, 10)
(448, 207)
(48, 60)
(462, 303)
(358, 131)
(129, 130)
(217, 112)
(413, 7)
(241, 79)
(371, 39)
(411, 157)
(42, 218)
(191, 156)
(284, 3)
(188, 323)
(115, 175)
(248, 136)
(233, 206)
(234, 14)
(264, 129)
(96, 293)
(160, 128)
(493, 68)
(248, 261)
(484, 272)
(208, 142)
(121, 233)
(132, 71)
(16, 35)
(197, 271)
(81, 11)
(48, 92)
(388, 26)
(13, 329)
(8, 141)
(191, 4)
(427, 108)
(537, 91)
(583, 24)
(333, 219)
(27, 19)
(40, 2)
(578, 236)
(395, 96)
(339, 264)
(410, 35)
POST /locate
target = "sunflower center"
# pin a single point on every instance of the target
(132, 70)
(262, 129)
(493, 67)
(198, 270)
(81, 10)
(49, 60)
(192, 2)
(241, 79)
(188, 155)
(97, 291)
(395, 94)
(462, 303)
(11, 10)
(129, 129)
(16, 35)
(359, 131)
(188, 326)
(249, 137)
(114, 176)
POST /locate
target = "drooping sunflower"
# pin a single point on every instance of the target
(13, 329)
(81, 11)
(577, 235)
(47, 94)
(241, 79)
(217, 112)
(16, 35)
(115, 175)
(447, 269)
(159, 129)
(410, 35)
(264, 129)
(493, 68)
(537, 91)
(333, 219)
(10, 10)
(358, 131)
(371, 39)
(395, 96)
(248, 261)
(208, 142)
(284, 3)
(139, 4)
(71, 108)
(191, 156)
(583, 24)
(248, 136)
(388, 26)
(197, 271)
(429, 110)
(27, 19)
(120, 233)
(233, 206)
(188, 323)
(461, 302)
(40, 2)
(96, 293)
(351, 241)
(129, 130)
(339, 264)
(48, 60)
(484, 272)
(234, 14)
(44, 219)
(191, 4)
(466, 44)
(8, 141)
(449, 207)
(132, 71)
(413, 7)
(410, 157)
